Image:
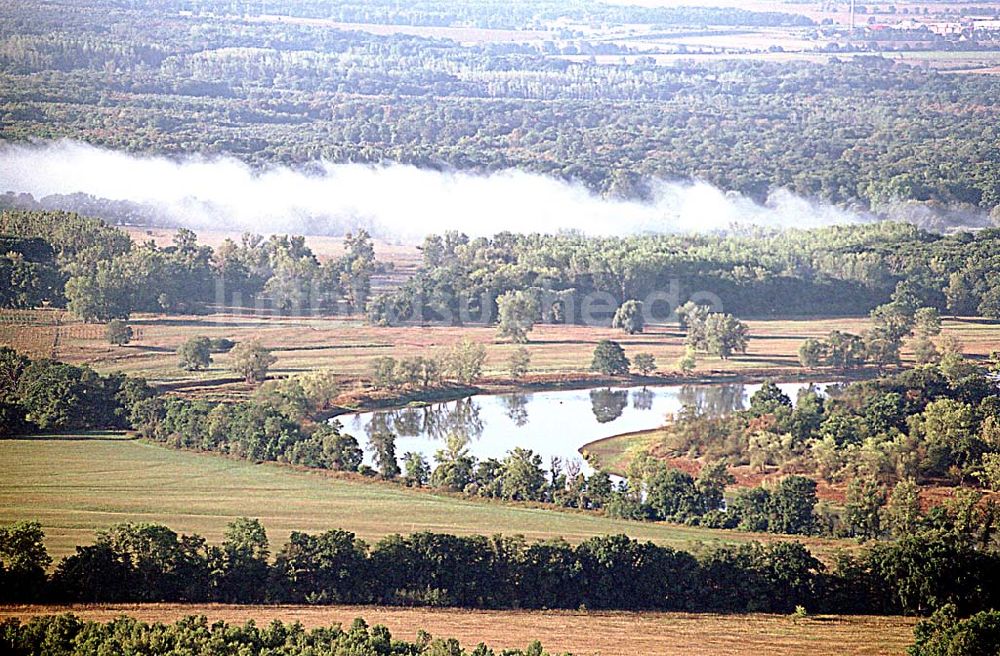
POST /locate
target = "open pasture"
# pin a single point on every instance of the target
(77, 486)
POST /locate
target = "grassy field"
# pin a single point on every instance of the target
(582, 633)
(616, 452)
(348, 346)
(74, 487)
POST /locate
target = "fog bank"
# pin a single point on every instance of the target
(390, 200)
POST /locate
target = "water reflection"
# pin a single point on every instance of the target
(379, 424)
(438, 420)
(516, 406)
(713, 400)
(608, 404)
(642, 399)
(409, 421)
(457, 418)
(552, 424)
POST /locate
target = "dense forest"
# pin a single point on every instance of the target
(904, 141)
(100, 274)
(840, 270)
(494, 14)
(97, 272)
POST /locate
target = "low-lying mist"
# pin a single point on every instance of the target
(392, 201)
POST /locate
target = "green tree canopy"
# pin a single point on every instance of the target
(609, 359)
(195, 354)
(629, 317)
(251, 361)
(518, 312)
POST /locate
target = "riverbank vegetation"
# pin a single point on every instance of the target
(110, 478)
(275, 427)
(934, 423)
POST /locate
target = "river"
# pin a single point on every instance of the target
(552, 424)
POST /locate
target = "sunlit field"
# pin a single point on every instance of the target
(349, 346)
(581, 633)
(77, 486)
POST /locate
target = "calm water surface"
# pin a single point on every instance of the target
(552, 424)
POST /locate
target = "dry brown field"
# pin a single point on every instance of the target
(581, 633)
(348, 345)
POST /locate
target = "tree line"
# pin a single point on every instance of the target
(99, 274)
(46, 395)
(67, 635)
(892, 323)
(521, 280)
(151, 563)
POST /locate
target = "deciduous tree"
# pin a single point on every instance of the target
(609, 359)
(251, 361)
(195, 354)
(518, 312)
(118, 332)
(629, 317)
(645, 363)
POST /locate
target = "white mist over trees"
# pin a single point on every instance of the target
(390, 200)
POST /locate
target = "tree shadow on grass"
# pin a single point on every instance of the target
(73, 437)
